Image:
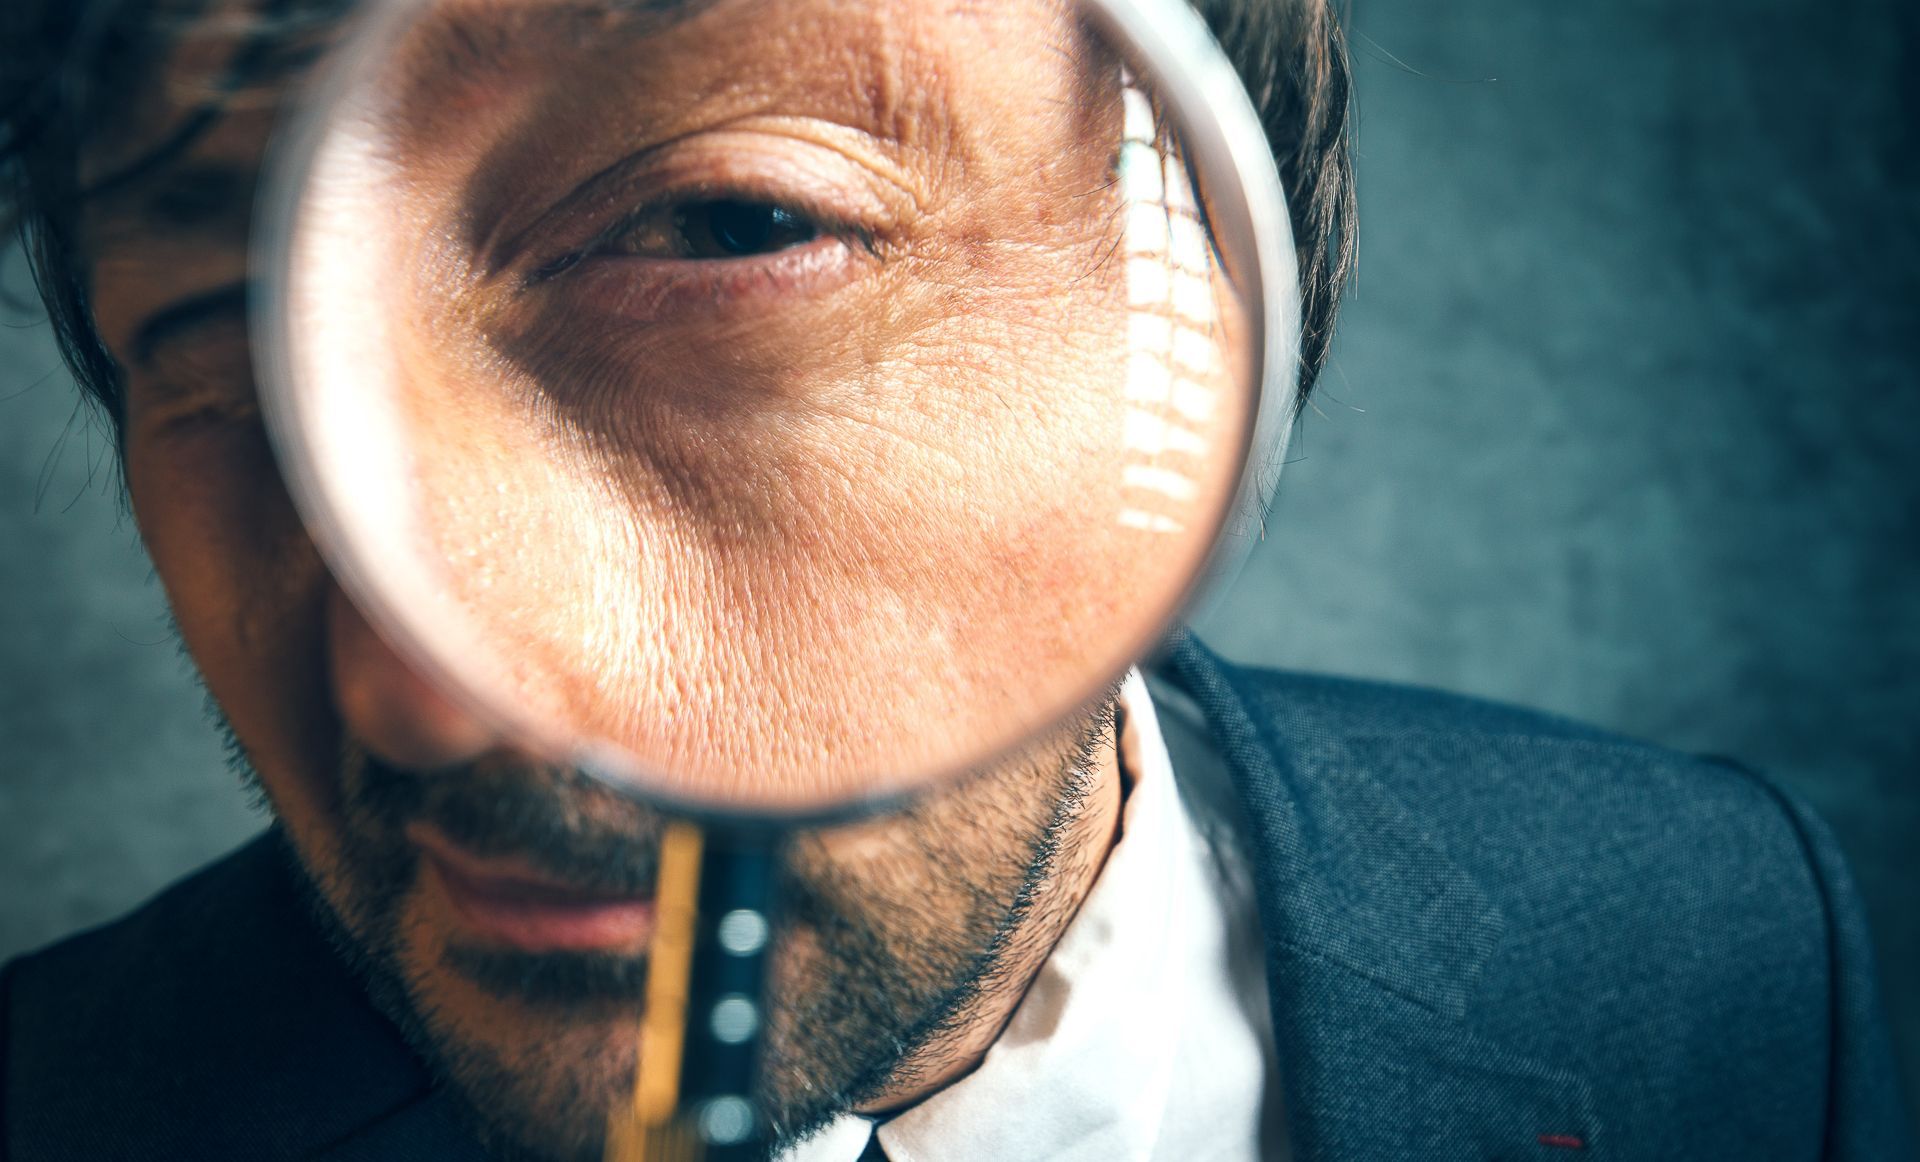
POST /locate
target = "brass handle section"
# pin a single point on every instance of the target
(648, 1130)
(693, 1096)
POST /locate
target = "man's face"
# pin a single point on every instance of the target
(923, 343)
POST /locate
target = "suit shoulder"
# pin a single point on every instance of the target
(1604, 855)
(1467, 762)
(1344, 706)
(1679, 929)
(169, 926)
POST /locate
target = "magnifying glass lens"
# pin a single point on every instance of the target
(767, 406)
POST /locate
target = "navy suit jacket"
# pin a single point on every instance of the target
(1490, 935)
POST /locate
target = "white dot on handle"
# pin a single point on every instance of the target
(742, 931)
(726, 1121)
(733, 1019)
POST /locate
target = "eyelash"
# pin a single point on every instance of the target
(683, 224)
(656, 283)
(221, 413)
(210, 384)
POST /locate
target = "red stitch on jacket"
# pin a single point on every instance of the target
(1563, 1141)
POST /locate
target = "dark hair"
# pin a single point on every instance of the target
(1292, 57)
(67, 68)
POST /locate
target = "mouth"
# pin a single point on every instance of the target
(506, 901)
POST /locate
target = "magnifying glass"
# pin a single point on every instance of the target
(772, 434)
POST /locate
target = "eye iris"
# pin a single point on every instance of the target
(733, 229)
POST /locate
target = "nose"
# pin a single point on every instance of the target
(397, 714)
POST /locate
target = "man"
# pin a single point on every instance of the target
(1481, 933)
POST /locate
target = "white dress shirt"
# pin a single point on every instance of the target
(1145, 1035)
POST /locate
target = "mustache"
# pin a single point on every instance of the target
(561, 821)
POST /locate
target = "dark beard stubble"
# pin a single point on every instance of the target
(897, 947)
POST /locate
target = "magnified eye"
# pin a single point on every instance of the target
(732, 229)
(719, 229)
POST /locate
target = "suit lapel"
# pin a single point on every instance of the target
(1375, 938)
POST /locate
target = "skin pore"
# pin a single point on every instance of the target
(803, 458)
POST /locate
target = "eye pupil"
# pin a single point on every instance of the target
(732, 229)
(740, 227)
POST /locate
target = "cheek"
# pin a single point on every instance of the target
(248, 593)
(793, 568)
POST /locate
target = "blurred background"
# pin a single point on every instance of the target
(1623, 422)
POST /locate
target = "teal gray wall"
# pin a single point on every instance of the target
(1624, 416)
(1623, 423)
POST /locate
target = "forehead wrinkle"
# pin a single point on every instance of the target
(935, 69)
(844, 65)
(493, 36)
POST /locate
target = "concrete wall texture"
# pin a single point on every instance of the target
(1623, 423)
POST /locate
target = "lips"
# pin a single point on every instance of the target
(506, 901)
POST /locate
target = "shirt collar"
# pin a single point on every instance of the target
(1084, 1066)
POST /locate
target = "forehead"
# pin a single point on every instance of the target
(177, 171)
(191, 68)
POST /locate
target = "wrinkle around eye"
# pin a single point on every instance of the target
(832, 175)
(693, 291)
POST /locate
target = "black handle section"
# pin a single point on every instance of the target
(725, 1014)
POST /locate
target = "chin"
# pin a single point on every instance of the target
(544, 1085)
(538, 1077)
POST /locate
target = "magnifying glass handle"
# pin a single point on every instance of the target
(699, 1039)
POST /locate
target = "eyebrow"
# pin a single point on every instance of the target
(199, 194)
(182, 318)
(210, 200)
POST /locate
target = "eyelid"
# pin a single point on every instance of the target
(186, 320)
(623, 228)
(844, 196)
(647, 289)
(206, 374)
